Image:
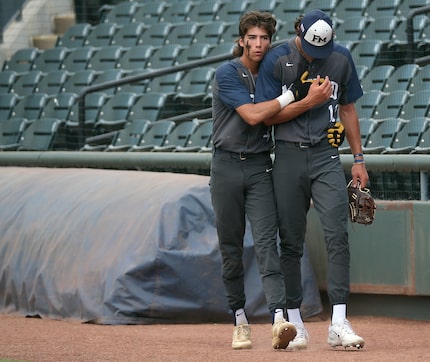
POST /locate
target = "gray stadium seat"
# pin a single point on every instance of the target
(155, 136)
(26, 82)
(408, 137)
(105, 58)
(21, 60)
(7, 78)
(75, 36)
(128, 34)
(383, 136)
(179, 136)
(121, 13)
(50, 59)
(101, 35)
(199, 139)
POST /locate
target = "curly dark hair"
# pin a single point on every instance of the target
(254, 19)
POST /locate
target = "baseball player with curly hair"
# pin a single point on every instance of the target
(241, 178)
(307, 164)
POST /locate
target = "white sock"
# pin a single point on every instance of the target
(240, 317)
(339, 313)
(278, 315)
(295, 317)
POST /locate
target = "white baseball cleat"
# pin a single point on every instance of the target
(342, 334)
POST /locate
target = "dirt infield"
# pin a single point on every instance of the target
(32, 339)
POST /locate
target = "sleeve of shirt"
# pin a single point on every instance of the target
(232, 92)
(268, 86)
(354, 91)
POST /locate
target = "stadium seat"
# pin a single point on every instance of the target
(179, 136)
(221, 49)
(39, 135)
(150, 12)
(155, 34)
(93, 104)
(149, 105)
(423, 145)
(129, 136)
(7, 102)
(421, 80)
(167, 84)
(101, 35)
(75, 36)
(52, 82)
(211, 32)
(367, 103)
(114, 113)
(408, 137)
(199, 139)
(351, 28)
(406, 6)
(230, 34)
(78, 59)
(155, 136)
(231, 11)
(120, 13)
(128, 34)
(366, 52)
(136, 57)
(108, 75)
(165, 56)
(7, 78)
(376, 78)
(79, 80)
(183, 33)
(367, 126)
(420, 22)
(289, 11)
(402, 78)
(383, 136)
(328, 6)
(138, 87)
(50, 59)
(30, 106)
(381, 8)
(205, 11)
(105, 58)
(59, 106)
(263, 5)
(177, 12)
(195, 51)
(193, 87)
(391, 105)
(10, 132)
(362, 70)
(22, 60)
(26, 82)
(345, 9)
(381, 28)
(122, 140)
(417, 105)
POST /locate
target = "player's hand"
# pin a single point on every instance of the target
(319, 91)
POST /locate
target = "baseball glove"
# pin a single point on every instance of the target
(361, 204)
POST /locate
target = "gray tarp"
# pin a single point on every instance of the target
(118, 247)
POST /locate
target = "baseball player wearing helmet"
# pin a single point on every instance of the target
(307, 164)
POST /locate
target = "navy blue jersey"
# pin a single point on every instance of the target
(234, 86)
(284, 64)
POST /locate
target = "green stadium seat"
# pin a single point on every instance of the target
(150, 12)
(391, 105)
(136, 57)
(177, 12)
(26, 82)
(128, 34)
(75, 36)
(59, 106)
(114, 113)
(155, 136)
(423, 145)
(402, 78)
(7, 102)
(199, 139)
(210, 32)
(366, 52)
(205, 11)
(30, 106)
(39, 135)
(50, 59)
(165, 56)
(231, 11)
(78, 59)
(367, 126)
(383, 136)
(183, 33)
(155, 34)
(10, 132)
(108, 75)
(351, 28)
(408, 137)
(101, 35)
(79, 80)
(7, 78)
(149, 105)
(179, 136)
(376, 78)
(195, 51)
(121, 13)
(105, 58)
(417, 105)
(22, 60)
(368, 102)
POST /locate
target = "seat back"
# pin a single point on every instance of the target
(7, 102)
(391, 105)
(22, 60)
(377, 77)
(105, 58)
(75, 36)
(11, 130)
(30, 106)
(383, 136)
(50, 59)
(200, 138)
(59, 106)
(101, 35)
(52, 82)
(128, 34)
(121, 13)
(149, 106)
(7, 78)
(27, 82)
(78, 59)
(155, 135)
(79, 80)
(165, 56)
(39, 135)
(136, 57)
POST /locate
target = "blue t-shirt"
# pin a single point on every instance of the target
(284, 64)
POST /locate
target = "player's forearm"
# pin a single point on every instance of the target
(290, 112)
(349, 118)
(255, 113)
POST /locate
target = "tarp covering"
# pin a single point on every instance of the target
(118, 247)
